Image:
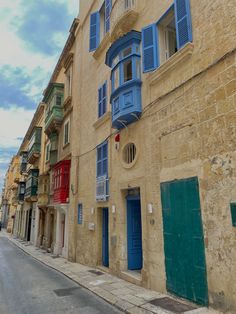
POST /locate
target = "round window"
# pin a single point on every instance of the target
(129, 153)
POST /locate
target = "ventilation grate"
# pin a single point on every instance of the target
(172, 305)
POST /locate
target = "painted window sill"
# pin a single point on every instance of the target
(103, 119)
(171, 63)
(101, 48)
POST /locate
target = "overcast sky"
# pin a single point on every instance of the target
(32, 35)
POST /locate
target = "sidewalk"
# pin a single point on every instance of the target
(125, 296)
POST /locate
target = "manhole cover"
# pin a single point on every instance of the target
(55, 256)
(172, 305)
(65, 292)
(96, 272)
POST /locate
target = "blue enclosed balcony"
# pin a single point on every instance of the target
(125, 61)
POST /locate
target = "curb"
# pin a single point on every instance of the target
(15, 242)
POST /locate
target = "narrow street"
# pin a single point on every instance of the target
(29, 287)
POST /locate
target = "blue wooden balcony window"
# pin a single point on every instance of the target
(125, 61)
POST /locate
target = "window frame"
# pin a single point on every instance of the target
(101, 160)
(47, 152)
(182, 12)
(102, 20)
(68, 75)
(66, 123)
(102, 102)
(161, 49)
(134, 56)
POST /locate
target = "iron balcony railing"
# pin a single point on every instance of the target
(119, 8)
(102, 184)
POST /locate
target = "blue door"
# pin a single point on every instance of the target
(105, 236)
(134, 234)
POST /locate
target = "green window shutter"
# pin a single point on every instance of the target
(233, 213)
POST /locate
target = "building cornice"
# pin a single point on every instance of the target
(68, 45)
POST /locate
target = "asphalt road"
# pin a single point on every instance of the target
(29, 287)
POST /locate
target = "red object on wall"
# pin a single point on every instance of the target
(117, 137)
(61, 181)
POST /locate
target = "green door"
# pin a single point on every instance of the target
(183, 240)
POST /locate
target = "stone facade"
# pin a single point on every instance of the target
(186, 130)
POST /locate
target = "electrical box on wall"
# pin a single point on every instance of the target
(233, 213)
(91, 226)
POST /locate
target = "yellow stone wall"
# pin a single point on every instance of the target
(187, 129)
(11, 190)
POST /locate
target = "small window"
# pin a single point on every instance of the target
(22, 188)
(66, 132)
(58, 100)
(129, 4)
(116, 78)
(69, 82)
(126, 52)
(102, 100)
(47, 152)
(127, 67)
(167, 36)
(115, 61)
(129, 153)
(138, 68)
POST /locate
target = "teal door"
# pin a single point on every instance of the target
(183, 240)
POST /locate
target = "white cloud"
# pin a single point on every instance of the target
(73, 6)
(14, 51)
(14, 123)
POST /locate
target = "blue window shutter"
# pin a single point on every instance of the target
(108, 6)
(104, 99)
(183, 22)
(150, 51)
(100, 102)
(99, 161)
(94, 31)
(102, 160)
(105, 159)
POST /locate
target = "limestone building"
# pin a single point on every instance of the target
(153, 138)
(137, 169)
(9, 195)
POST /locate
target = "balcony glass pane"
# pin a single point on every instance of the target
(138, 68)
(116, 78)
(127, 68)
(126, 52)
